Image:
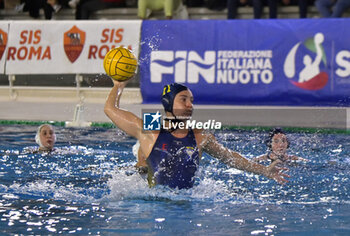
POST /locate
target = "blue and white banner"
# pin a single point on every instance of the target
(249, 62)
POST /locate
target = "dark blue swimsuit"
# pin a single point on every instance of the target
(173, 161)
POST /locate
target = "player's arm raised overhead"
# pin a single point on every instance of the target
(125, 120)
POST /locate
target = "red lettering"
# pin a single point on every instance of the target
(119, 35)
(104, 36)
(11, 52)
(92, 52)
(33, 52)
(23, 37)
(30, 37)
(37, 36)
(112, 36)
(102, 54)
(164, 146)
(22, 53)
(33, 37)
(47, 54)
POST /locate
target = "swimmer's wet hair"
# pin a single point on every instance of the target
(272, 133)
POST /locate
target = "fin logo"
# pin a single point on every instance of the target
(74, 40)
(3, 42)
(310, 77)
(185, 66)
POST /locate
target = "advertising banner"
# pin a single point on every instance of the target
(4, 30)
(249, 62)
(66, 47)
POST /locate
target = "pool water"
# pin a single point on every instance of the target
(88, 186)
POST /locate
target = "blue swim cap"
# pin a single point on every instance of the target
(169, 93)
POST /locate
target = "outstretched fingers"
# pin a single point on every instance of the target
(277, 173)
(281, 178)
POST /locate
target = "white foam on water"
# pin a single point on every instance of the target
(10, 196)
(44, 188)
(208, 188)
(124, 185)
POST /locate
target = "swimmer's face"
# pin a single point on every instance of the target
(183, 104)
(279, 144)
(47, 136)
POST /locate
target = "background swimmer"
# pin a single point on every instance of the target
(45, 137)
(278, 144)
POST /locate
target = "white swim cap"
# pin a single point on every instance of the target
(37, 136)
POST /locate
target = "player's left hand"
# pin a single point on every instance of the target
(277, 173)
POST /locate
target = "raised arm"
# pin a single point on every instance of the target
(236, 160)
(124, 120)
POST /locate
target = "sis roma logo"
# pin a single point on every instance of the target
(309, 76)
(33, 44)
(75, 39)
(3, 42)
(73, 42)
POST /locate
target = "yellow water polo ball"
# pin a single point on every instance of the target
(120, 64)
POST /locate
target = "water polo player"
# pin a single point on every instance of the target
(172, 155)
(45, 137)
(278, 144)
